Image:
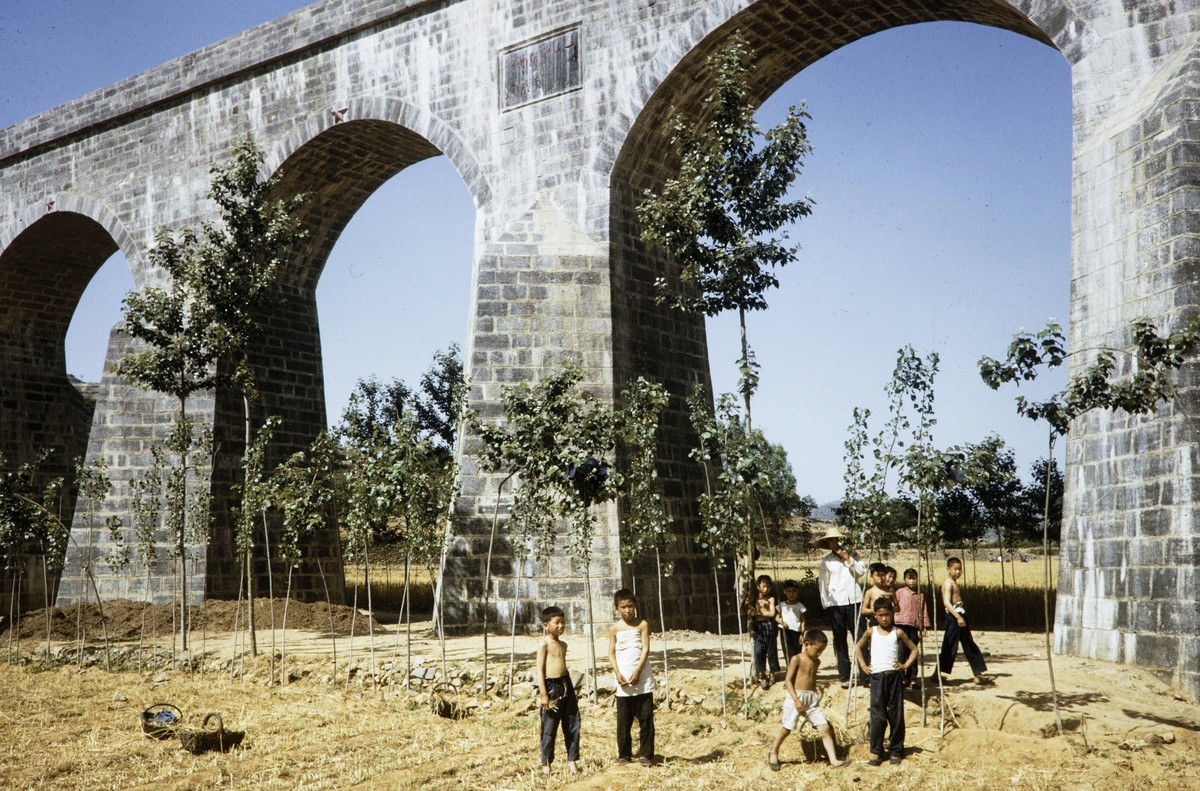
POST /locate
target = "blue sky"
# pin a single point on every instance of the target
(941, 175)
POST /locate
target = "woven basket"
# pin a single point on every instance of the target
(160, 720)
(204, 740)
(444, 702)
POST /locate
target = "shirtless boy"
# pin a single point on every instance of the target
(877, 589)
(801, 685)
(560, 706)
(957, 630)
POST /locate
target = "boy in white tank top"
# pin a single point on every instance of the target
(629, 655)
(887, 681)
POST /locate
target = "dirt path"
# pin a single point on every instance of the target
(66, 728)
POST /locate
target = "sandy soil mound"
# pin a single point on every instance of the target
(130, 620)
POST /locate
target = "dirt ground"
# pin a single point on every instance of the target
(353, 722)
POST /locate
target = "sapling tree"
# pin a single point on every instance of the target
(1155, 360)
(725, 454)
(302, 489)
(145, 495)
(724, 219)
(867, 507)
(29, 517)
(861, 499)
(400, 476)
(94, 486)
(873, 518)
(554, 438)
(256, 496)
(645, 525)
(747, 478)
(195, 331)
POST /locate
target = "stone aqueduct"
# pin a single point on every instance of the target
(550, 110)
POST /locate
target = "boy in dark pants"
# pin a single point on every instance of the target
(629, 655)
(957, 630)
(556, 693)
(887, 681)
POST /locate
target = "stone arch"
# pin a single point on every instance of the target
(46, 263)
(338, 162)
(393, 133)
(787, 35)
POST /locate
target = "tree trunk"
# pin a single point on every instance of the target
(183, 521)
(1003, 583)
(237, 614)
(591, 626)
(487, 578)
(512, 649)
(12, 625)
(103, 622)
(270, 590)
(249, 561)
(353, 619)
(749, 425)
(742, 639)
(283, 675)
(370, 613)
(46, 599)
(1046, 589)
(407, 619)
(720, 635)
(662, 625)
(936, 607)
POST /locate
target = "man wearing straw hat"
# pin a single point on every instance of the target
(841, 596)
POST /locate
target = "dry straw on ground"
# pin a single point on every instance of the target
(70, 729)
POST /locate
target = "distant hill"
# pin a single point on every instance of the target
(825, 510)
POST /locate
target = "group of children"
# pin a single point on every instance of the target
(908, 609)
(770, 619)
(886, 651)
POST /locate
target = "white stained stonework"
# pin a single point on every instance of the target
(344, 94)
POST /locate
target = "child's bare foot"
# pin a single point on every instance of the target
(545, 769)
(982, 680)
(573, 767)
(773, 762)
(840, 764)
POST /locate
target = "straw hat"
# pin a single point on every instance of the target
(831, 534)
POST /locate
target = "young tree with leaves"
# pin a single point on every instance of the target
(1156, 360)
(553, 438)
(194, 332)
(723, 220)
(29, 517)
(302, 488)
(724, 454)
(400, 476)
(645, 524)
(94, 486)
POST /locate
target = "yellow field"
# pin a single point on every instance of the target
(387, 587)
(975, 573)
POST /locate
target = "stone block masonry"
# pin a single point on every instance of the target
(346, 93)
